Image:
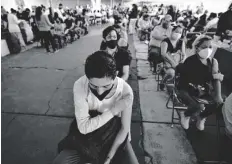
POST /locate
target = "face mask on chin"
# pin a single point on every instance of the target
(103, 95)
(205, 53)
(111, 44)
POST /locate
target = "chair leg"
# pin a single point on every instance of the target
(173, 108)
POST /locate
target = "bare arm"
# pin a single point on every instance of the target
(125, 71)
(183, 51)
(216, 82)
(164, 47)
(48, 22)
(125, 119)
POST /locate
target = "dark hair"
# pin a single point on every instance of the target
(99, 65)
(60, 4)
(202, 40)
(13, 10)
(107, 30)
(38, 13)
(175, 27)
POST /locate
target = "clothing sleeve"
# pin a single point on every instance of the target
(126, 100)
(126, 58)
(85, 123)
(16, 20)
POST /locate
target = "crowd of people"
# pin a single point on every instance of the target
(53, 28)
(103, 100)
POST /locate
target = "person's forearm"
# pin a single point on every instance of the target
(169, 60)
(217, 86)
(121, 136)
(125, 76)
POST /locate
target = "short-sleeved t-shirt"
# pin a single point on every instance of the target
(68, 23)
(122, 58)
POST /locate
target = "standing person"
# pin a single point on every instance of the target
(100, 133)
(132, 19)
(122, 56)
(44, 26)
(158, 34)
(13, 26)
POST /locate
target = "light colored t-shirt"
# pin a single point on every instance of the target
(227, 113)
(85, 100)
(159, 32)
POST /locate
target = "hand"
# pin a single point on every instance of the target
(108, 160)
(219, 100)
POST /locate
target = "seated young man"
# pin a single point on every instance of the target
(121, 56)
(103, 107)
(200, 78)
(69, 29)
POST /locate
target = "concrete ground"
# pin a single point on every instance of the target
(37, 100)
(37, 107)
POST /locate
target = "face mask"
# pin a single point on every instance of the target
(103, 95)
(205, 53)
(112, 43)
(176, 36)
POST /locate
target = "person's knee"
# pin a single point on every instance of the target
(170, 72)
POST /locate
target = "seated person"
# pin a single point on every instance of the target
(227, 115)
(59, 31)
(103, 107)
(224, 26)
(173, 53)
(122, 57)
(211, 25)
(158, 34)
(145, 28)
(123, 41)
(200, 78)
(69, 29)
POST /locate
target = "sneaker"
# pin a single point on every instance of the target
(146, 42)
(57, 50)
(200, 123)
(184, 121)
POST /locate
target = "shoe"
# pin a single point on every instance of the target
(146, 42)
(200, 123)
(56, 51)
(184, 121)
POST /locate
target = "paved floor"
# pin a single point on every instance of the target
(37, 100)
(37, 108)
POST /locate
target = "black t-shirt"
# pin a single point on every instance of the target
(68, 23)
(170, 48)
(122, 58)
(193, 71)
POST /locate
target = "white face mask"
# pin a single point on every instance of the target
(205, 53)
(176, 36)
